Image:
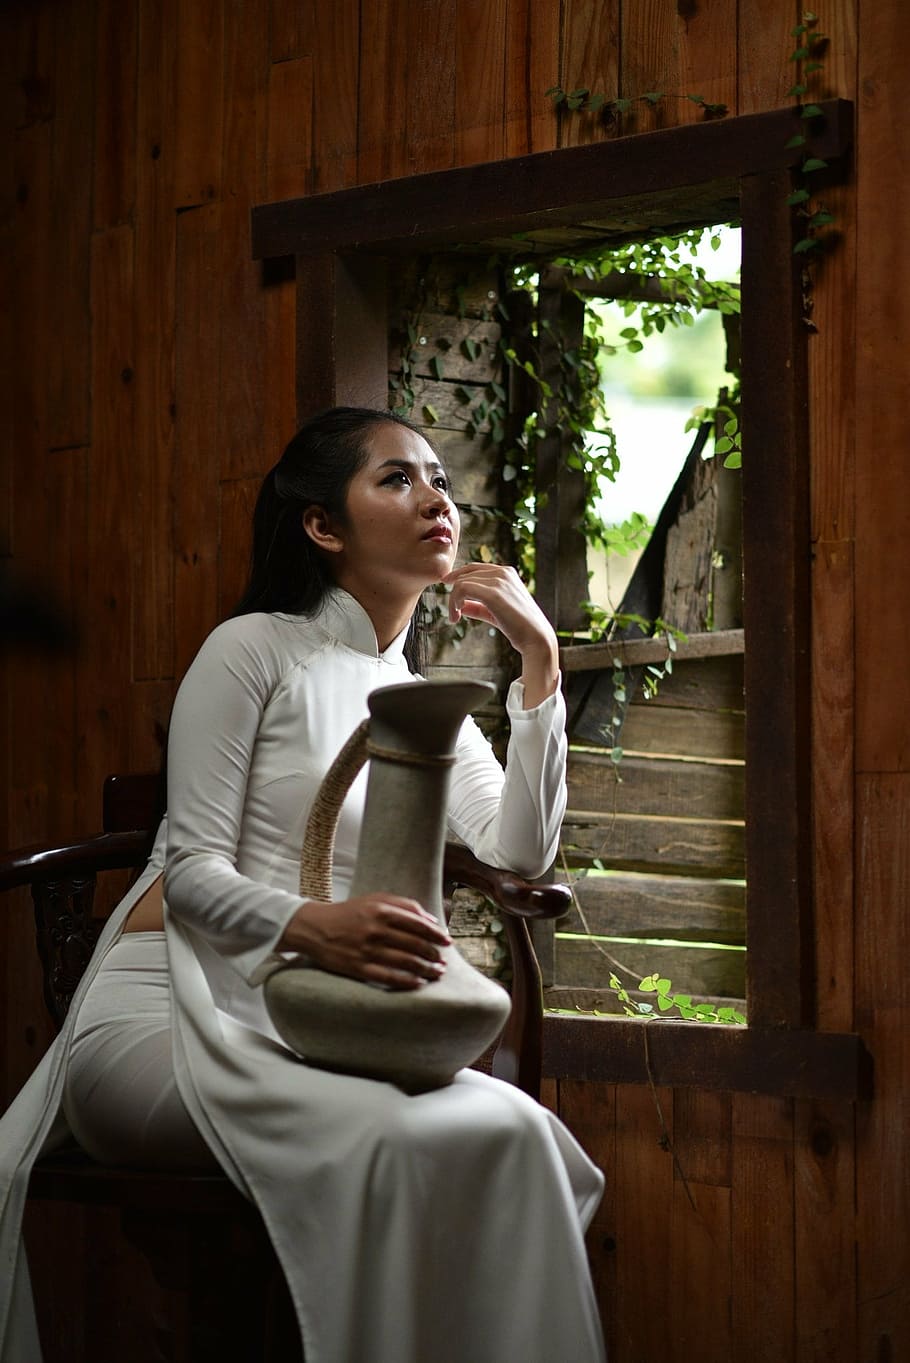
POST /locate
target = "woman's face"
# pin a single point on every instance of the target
(400, 531)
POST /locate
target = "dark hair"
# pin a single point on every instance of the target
(287, 570)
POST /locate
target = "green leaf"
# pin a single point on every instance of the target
(799, 196)
(820, 218)
(811, 111)
(437, 366)
(664, 1003)
(800, 54)
(734, 460)
(470, 348)
(796, 90)
(813, 163)
(616, 754)
(649, 984)
(430, 413)
(807, 244)
(596, 102)
(731, 426)
(797, 140)
(812, 66)
(722, 445)
(653, 96)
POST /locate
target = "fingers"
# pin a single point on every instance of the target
(383, 939)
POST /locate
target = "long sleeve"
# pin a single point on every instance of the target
(512, 819)
(214, 727)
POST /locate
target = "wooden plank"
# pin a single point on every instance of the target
(114, 160)
(637, 843)
(777, 1062)
(776, 567)
(633, 652)
(447, 344)
(825, 1214)
(688, 908)
(589, 1111)
(385, 45)
(643, 1192)
(105, 674)
(196, 464)
(654, 785)
(431, 85)
(590, 58)
(66, 362)
(471, 466)
(882, 1010)
(199, 103)
(336, 39)
(242, 375)
(152, 559)
(701, 1278)
(691, 969)
(544, 188)
(764, 1306)
(660, 729)
(765, 41)
(30, 49)
(650, 61)
(480, 39)
(531, 57)
(291, 29)
(707, 37)
(882, 506)
(289, 155)
(238, 500)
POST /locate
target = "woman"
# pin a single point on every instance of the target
(169, 1056)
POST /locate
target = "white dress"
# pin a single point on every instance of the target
(446, 1226)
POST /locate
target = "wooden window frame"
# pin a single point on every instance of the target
(680, 176)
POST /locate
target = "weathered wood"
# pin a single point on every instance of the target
(691, 969)
(532, 55)
(691, 733)
(654, 785)
(479, 80)
(590, 58)
(589, 1110)
(824, 1214)
(632, 652)
(581, 1000)
(114, 160)
(687, 908)
(778, 1062)
(637, 843)
(442, 207)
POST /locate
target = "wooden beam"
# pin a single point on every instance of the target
(342, 334)
(780, 1061)
(633, 652)
(546, 188)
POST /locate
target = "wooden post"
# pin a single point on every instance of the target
(342, 333)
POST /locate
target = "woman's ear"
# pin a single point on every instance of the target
(318, 524)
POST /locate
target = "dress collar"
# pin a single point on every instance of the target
(342, 616)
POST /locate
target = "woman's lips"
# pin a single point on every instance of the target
(441, 533)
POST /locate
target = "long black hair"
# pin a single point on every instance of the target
(287, 571)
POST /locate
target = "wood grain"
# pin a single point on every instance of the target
(114, 159)
(198, 103)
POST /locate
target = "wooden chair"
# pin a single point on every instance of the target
(206, 1245)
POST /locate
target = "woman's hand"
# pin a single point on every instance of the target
(495, 593)
(380, 938)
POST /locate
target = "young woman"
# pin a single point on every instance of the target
(446, 1225)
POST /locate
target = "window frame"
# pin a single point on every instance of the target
(681, 176)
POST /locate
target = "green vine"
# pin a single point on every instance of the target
(672, 1005)
(818, 221)
(582, 101)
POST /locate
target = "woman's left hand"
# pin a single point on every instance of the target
(494, 593)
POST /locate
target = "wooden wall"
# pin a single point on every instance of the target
(148, 371)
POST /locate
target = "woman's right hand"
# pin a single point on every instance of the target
(379, 938)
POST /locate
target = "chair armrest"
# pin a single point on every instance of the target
(84, 856)
(515, 896)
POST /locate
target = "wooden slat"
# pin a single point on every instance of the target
(471, 467)
(650, 61)
(66, 362)
(701, 1273)
(242, 375)
(633, 652)
(479, 80)
(654, 785)
(289, 158)
(764, 1307)
(290, 24)
(336, 39)
(385, 41)
(431, 32)
(152, 559)
(114, 161)
(237, 499)
(30, 48)
(882, 336)
(532, 55)
(691, 733)
(198, 103)
(575, 183)
(589, 1111)
(197, 466)
(707, 37)
(590, 58)
(635, 843)
(824, 1214)
(103, 710)
(644, 1178)
(765, 41)
(691, 969)
(691, 909)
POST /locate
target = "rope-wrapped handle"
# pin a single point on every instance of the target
(318, 849)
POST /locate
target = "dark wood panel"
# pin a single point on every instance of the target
(479, 80)
(289, 158)
(590, 58)
(115, 146)
(532, 55)
(199, 103)
(764, 42)
(430, 115)
(336, 38)
(824, 1214)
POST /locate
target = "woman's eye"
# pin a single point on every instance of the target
(399, 476)
(442, 483)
